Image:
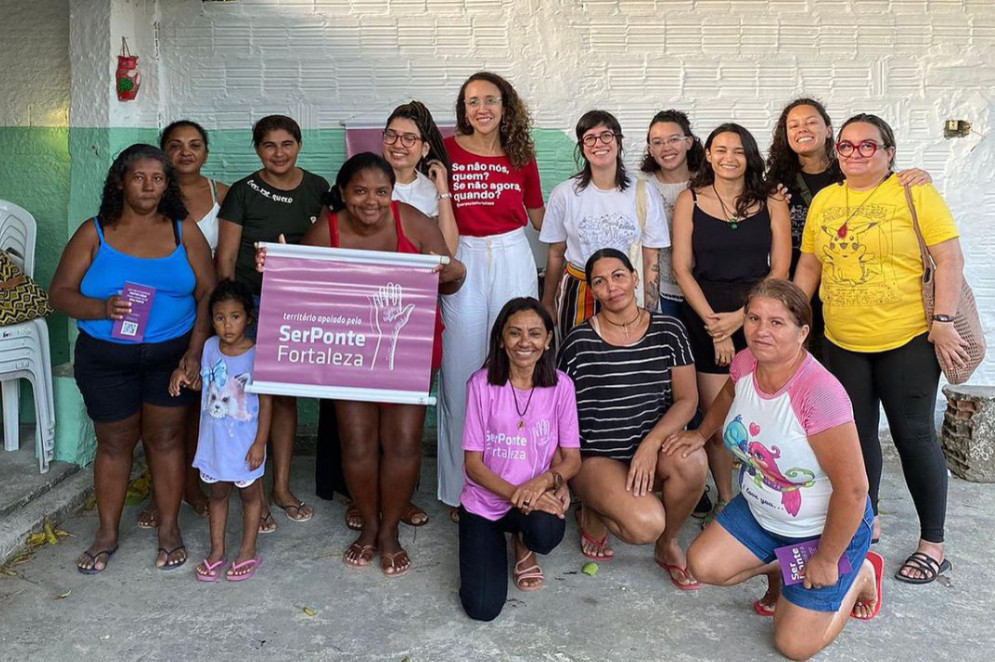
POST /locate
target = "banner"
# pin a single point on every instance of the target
(346, 324)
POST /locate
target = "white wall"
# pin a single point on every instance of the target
(915, 62)
(34, 63)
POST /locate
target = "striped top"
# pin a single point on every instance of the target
(622, 392)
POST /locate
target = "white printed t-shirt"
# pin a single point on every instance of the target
(591, 219)
(786, 488)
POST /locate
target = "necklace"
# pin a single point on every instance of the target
(731, 218)
(844, 229)
(625, 325)
(521, 412)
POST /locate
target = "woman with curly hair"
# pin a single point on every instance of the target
(673, 152)
(495, 193)
(802, 160)
(143, 234)
(729, 233)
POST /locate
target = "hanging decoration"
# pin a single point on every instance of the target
(127, 77)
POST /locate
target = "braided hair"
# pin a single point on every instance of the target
(420, 115)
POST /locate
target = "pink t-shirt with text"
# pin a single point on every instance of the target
(489, 195)
(784, 485)
(515, 453)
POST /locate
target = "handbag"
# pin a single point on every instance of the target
(966, 320)
(21, 298)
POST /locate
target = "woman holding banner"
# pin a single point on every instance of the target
(381, 444)
(278, 200)
(495, 183)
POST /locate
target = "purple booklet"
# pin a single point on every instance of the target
(792, 559)
(132, 327)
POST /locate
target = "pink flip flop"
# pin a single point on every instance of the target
(235, 567)
(213, 570)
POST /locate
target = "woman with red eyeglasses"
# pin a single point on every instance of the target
(860, 249)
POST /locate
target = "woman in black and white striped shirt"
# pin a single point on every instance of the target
(635, 383)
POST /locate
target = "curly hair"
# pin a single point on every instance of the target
(230, 290)
(782, 162)
(516, 122)
(696, 153)
(112, 201)
(755, 188)
(588, 121)
(420, 115)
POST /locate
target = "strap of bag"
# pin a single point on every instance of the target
(803, 189)
(928, 266)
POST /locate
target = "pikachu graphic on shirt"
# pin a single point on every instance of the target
(846, 252)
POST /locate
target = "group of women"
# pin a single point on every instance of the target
(666, 294)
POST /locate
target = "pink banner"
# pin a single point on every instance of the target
(371, 140)
(364, 326)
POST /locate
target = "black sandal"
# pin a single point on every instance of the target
(924, 563)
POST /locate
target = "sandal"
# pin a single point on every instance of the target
(265, 527)
(248, 574)
(878, 564)
(671, 569)
(364, 553)
(607, 553)
(454, 515)
(924, 563)
(414, 516)
(762, 608)
(388, 561)
(520, 574)
(166, 565)
(353, 519)
(147, 518)
(296, 508)
(93, 569)
(211, 572)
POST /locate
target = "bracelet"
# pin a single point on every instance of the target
(943, 318)
(440, 196)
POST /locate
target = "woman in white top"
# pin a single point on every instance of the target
(673, 152)
(185, 144)
(601, 206)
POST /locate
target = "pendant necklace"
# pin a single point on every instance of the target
(625, 325)
(521, 412)
(731, 218)
(843, 229)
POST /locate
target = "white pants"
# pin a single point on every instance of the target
(498, 268)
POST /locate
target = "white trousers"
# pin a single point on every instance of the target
(498, 268)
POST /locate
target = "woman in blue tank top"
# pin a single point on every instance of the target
(121, 368)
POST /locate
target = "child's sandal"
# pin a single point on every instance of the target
(213, 570)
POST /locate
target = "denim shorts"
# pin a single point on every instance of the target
(738, 520)
(115, 379)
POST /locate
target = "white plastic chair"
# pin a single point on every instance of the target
(24, 348)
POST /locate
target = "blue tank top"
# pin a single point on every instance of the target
(173, 308)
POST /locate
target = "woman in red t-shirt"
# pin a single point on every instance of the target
(495, 189)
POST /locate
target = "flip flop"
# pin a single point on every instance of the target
(296, 507)
(364, 552)
(925, 564)
(520, 574)
(93, 570)
(235, 567)
(144, 517)
(761, 609)
(410, 512)
(387, 560)
(268, 517)
(213, 570)
(878, 564)
(170, 552)
(670, 568)
(585, 536)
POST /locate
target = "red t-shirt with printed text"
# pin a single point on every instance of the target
(489, 195)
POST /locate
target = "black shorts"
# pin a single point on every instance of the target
(116, 378)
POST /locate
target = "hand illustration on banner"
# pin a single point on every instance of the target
(388, 316)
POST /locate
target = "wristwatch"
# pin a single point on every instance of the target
(557, 480)
(943, 318)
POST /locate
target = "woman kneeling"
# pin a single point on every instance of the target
(790, 424)
(520, 444)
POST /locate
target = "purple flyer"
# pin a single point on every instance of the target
(132, 327)
(792, 559)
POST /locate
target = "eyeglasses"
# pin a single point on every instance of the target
(407, 139)
(477, 102)
(606, 137)
(866, 149)
(672, 142)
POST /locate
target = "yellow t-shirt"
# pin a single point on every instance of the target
(871, 265)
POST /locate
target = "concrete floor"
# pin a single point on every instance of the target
(627, 612)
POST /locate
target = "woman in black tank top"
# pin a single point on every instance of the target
(729, 233)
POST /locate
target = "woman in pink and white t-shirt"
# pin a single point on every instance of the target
(790, 424)
(495, 189)
(521, 446)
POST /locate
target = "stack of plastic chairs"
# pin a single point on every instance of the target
(24, 349)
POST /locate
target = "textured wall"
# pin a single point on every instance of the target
(915, 62)
(34, 109)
